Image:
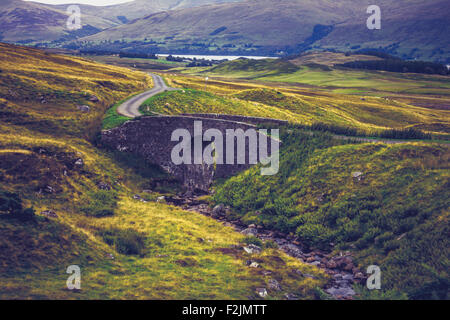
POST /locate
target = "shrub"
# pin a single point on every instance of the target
(253, 240)
(270, 244)
(10, 202)
(100, 203)
(127, 241)
(11, 206)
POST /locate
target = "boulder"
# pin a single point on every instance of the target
(290, 296)
(219, 210)
(104, 186)
(84, 108)
(79, 162)
(94, 98)
(292, 250)
(341, 292)
(250, 232)
(49, 189)
(274, 285)
(262, 292)
(49, 214)
(252, 249)
(358, 176)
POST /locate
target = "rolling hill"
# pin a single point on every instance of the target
(129, 11)
(29, 22)
(260, 27)
(32, 22)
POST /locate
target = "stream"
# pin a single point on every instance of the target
(339, 266)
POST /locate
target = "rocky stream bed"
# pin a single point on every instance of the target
(339, 266)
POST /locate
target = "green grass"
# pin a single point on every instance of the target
(396, 216)
(112, 118)
(370, 117)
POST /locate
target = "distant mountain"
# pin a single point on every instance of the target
(31, 22)
(129, 11)
(25, 22)
(410, 28)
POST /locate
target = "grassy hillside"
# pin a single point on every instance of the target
(314, 70)
(304, 106)
(329, 59)
(127, 248)
(387, 203)
(43, 91)
(30, 22)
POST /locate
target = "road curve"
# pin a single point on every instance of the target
(130, 108)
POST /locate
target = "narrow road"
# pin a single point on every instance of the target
(130, 108)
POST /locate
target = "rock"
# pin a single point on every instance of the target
(104, 186)
(84, 108)
(110, 256)
(359, 276)
(94, 98)
(161, 199)
(315, 263)
(347, 277)
(343, 292)
(274, 285)
(219, 210)
(337, 276)
(254, 265)
(250, 232)
(306, 275)
(137, 197)
(348, 267)
(49, 214)
(79, 162)
(290, 296)
(252, 226)
(252, 249)
(49, 189)
(321, 197)
(292, 250)
(358, 176)
(262, 292)
(310, 259)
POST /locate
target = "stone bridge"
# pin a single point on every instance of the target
(150, 137)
